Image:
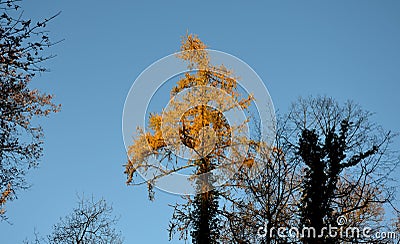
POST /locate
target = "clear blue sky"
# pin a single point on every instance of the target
(345, 49)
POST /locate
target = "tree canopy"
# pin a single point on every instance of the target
(22, 46)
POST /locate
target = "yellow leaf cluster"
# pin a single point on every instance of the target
(4, 196)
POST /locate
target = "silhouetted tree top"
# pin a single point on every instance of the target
(91, 222)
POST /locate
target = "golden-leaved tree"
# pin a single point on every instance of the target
(194, 123)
